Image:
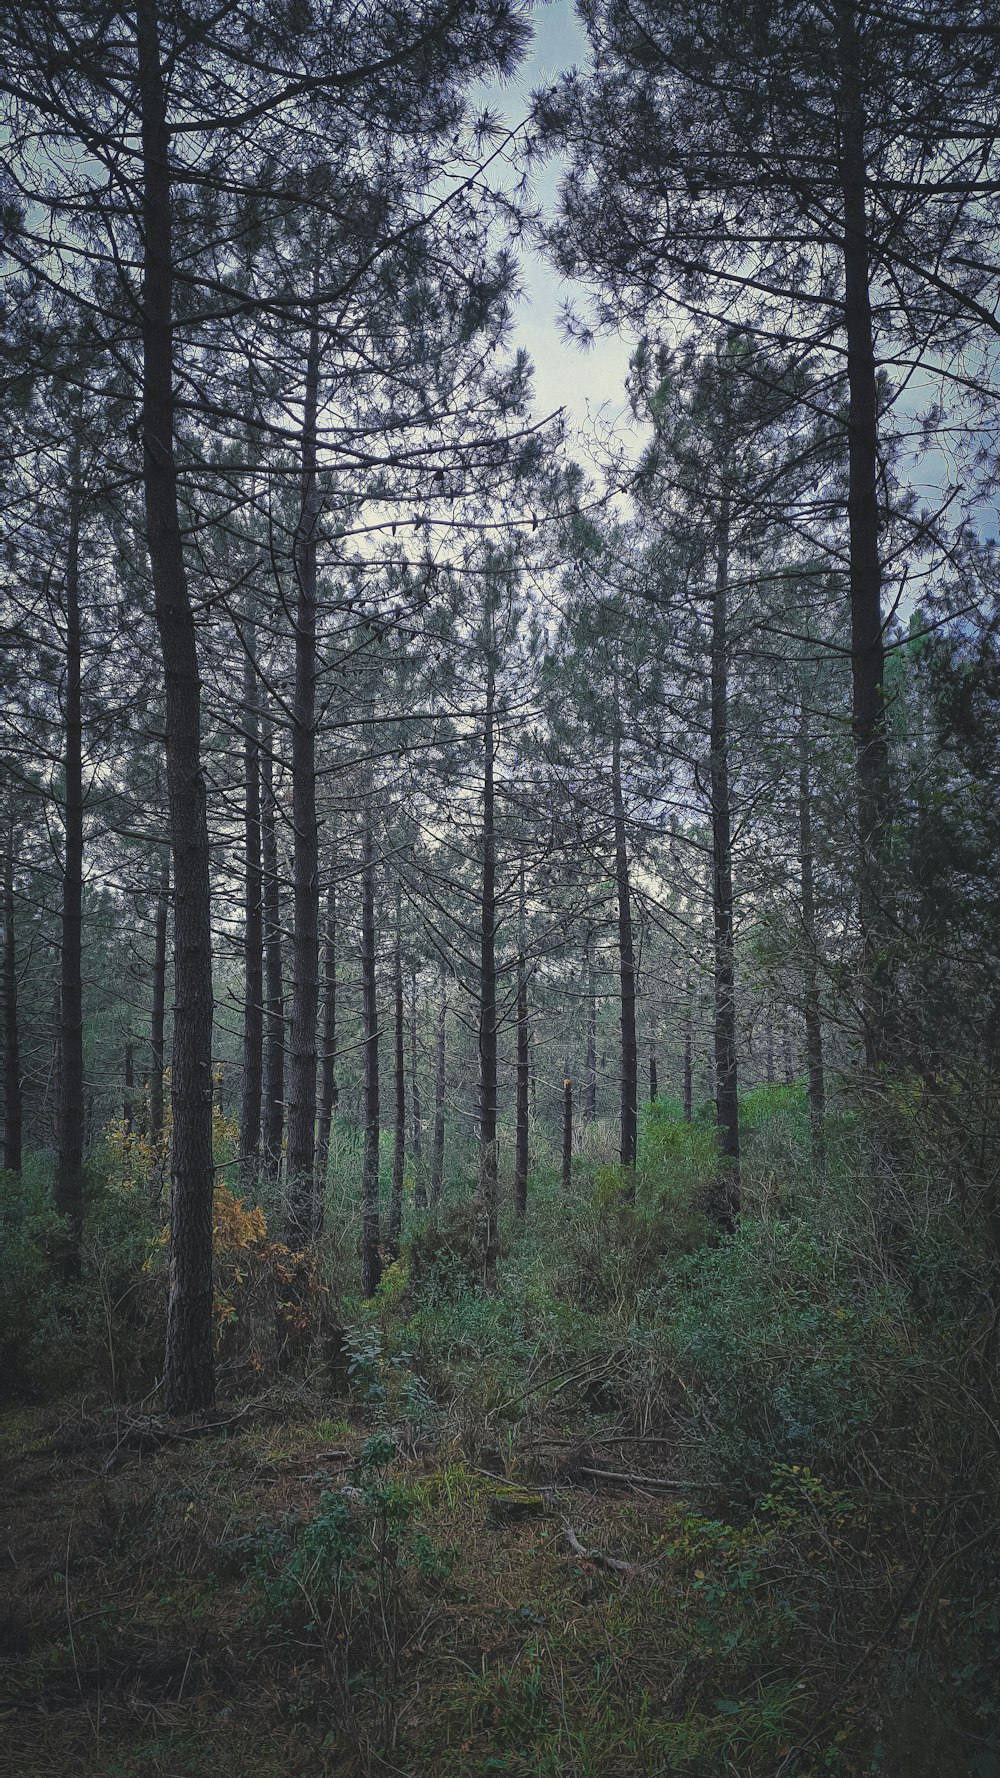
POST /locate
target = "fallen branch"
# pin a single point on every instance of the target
(645, 1481)
(637, 1570)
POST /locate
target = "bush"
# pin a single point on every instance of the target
(788, 1352)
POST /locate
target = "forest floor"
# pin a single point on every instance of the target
(285, 1592)
(666, 1504)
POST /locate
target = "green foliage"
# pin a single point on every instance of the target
(785, 1350)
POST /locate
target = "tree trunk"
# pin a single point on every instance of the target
(69, 1159)
(813, 1021)
(867, 646)
(437, 1150)
(726, 1083)
(687, 1078)
(399, 1083)
(253, 938)
(488, 1007)
(420, 1181)
(371, 1264)
(303, 1200)
(11, 1044)
(769, 1050)
(274, 1000)
(128, 1094)
(158, 1010)
(590, 1060)
(523, 1069)
(567, 1136)
(653, 1084)
(189, 1374)
(328, 1067)
(626, 964)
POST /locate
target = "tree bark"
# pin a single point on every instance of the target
(274, 995)
(590, 1059)
(653, 1083)
(11, 1045)
(523, 1069)
(158, 1010)
(867, 645)
(189, 1374)
(726, 1082)
(328, 1067)
(567, 1136)
(253, 938)
(813, 1020)
(687, 1065)
(420, 1181)
(488, 1171)
(626, 965)
(371, 1264)
(399, 1082)
(437, 1150)
(303, 1199)
(69, 1158)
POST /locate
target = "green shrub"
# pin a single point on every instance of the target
(785, 1351)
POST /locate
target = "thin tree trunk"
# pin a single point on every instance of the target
(328, 1068)
(567, 1136)
(653, 1084)
(303, 1202)
(11, 1045)
(687, 1079)
(813, 1021)
(626, 964)
(523, 1069)
(189, 1374)
(371, 1264)
(399, 1083)
(590, 1059)
(867, 645)
(437, 1150)
(420, 1182)
(274, 1000)
(253, 938)
(726, 1082)
(769, 1055)
(69, 1159)
(128, 1095)
(158, 1010)
(488, 1171)
(786, 1050)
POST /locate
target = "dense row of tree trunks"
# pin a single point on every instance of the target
(328, 1062)
(253, 937)
(69, 1153)
(371, 1264)
(488, 1171)
(12, 1111)
(189, 1377)
(626, 965)
(395, 1221)
(437, 1146)
(811, 1007)
(274, 992)
(304, 1207)
(726, 1081)
(867, 642)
